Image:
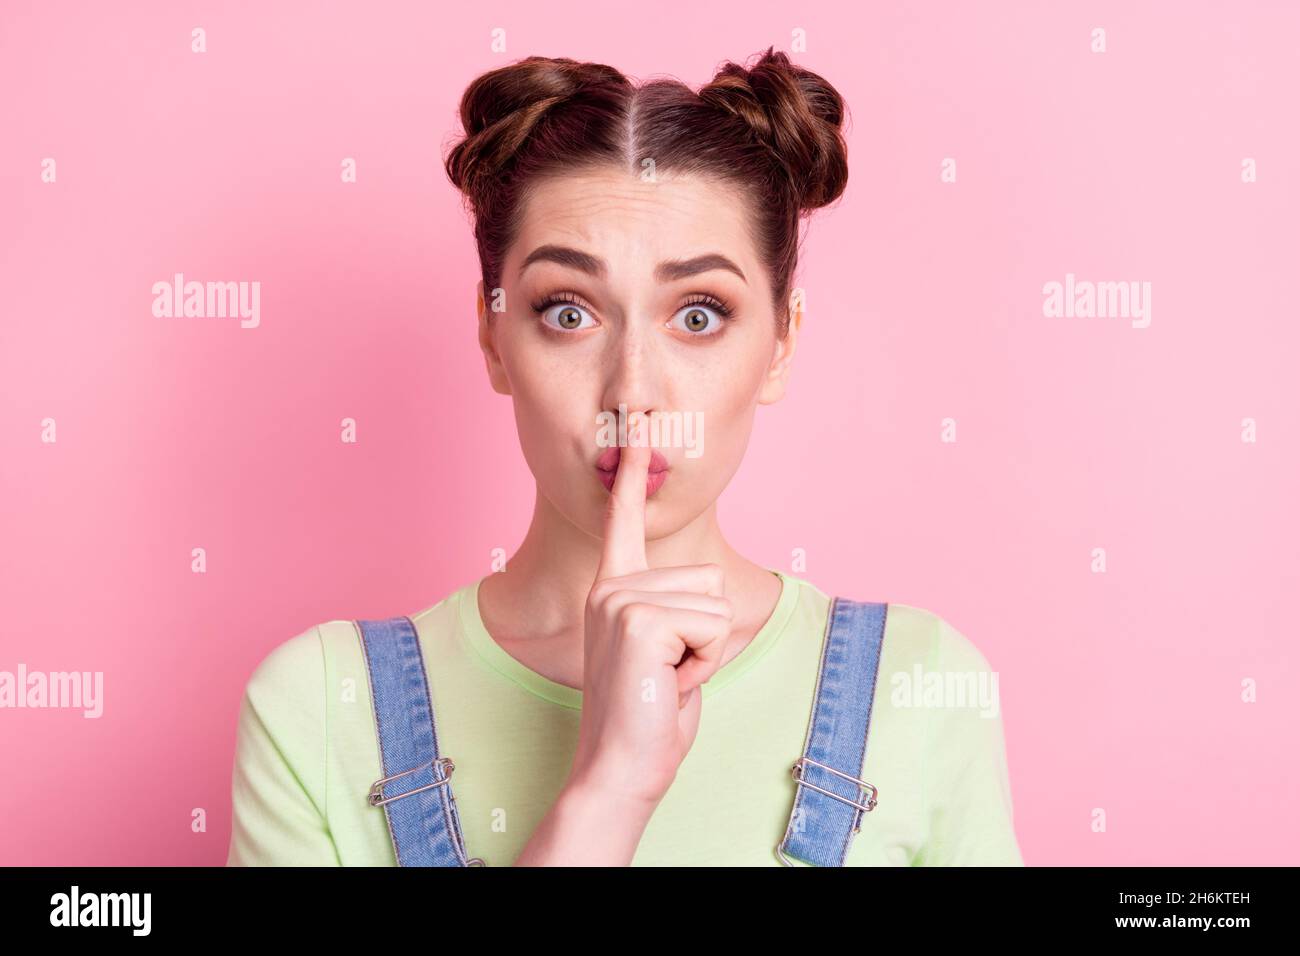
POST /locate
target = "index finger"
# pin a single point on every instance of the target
(624, 548)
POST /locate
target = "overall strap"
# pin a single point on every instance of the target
(830, 796)
(418, 802)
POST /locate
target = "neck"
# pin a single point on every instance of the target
(548, 578)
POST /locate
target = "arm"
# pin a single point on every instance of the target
(278, 783)
(587, 828)
(967, 783)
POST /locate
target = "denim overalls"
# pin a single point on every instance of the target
(828, 792)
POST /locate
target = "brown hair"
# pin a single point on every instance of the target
(773, 128)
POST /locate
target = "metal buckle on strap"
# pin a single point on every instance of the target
(797, 772)
(376, 796)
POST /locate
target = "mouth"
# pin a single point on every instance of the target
(656, 475)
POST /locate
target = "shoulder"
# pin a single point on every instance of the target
(942, 678)
(287, 689)
(930, 639)
(298, 667)
(912, 634)
(282, 730)
(946, 680)
(301, 667)
(285, 696)
(292, 669)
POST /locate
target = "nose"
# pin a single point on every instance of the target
(633, 373)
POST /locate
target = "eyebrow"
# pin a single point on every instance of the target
(666, 271)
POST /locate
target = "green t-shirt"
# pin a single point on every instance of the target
(307, 751)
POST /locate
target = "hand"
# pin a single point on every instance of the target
(651, 638)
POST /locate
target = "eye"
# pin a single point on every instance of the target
(696, 314)
(563, 313)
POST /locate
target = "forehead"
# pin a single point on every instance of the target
(629, 221)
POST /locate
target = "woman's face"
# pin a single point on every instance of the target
(616, 293)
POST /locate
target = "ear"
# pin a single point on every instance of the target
(778, 373)
(487, 342)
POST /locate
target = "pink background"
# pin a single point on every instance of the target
(1119, 690)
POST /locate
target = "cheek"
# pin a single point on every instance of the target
(725, 404)
(554, 409)
(538, 377)
(729, 391)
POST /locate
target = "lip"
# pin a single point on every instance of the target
(654, 480)
(656, 474)
(609, 458)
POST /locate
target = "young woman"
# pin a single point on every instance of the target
(629, 689)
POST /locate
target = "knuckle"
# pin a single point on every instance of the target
(599, 594)
(633, 616)
(610, 607)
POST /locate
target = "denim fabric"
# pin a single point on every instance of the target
(421, 810)
(822, 825)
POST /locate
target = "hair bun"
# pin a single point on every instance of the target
(501, 108)
(796, 114)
